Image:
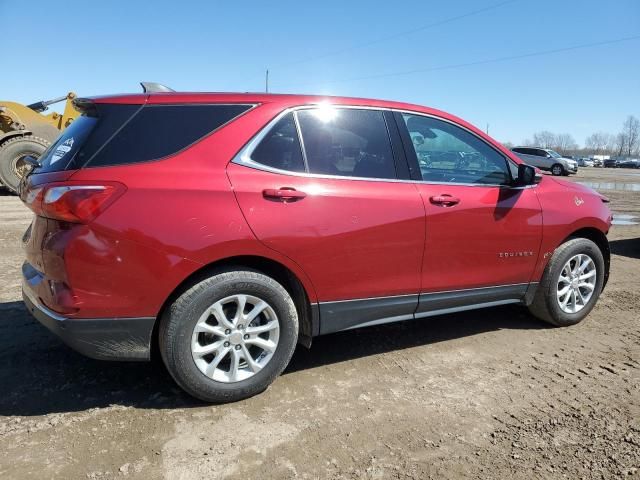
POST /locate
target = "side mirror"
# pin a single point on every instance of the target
(527, 175)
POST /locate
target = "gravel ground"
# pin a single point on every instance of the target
(486, 394)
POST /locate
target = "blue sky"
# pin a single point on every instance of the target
(320, 47)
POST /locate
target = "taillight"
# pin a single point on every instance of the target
(77, 203)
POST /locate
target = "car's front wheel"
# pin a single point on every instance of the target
(557, 170)
(571, 283)
(229, 336)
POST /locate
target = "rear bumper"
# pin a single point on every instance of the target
(99, 338)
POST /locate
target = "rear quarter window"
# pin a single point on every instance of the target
(110, 134)
(158, 131)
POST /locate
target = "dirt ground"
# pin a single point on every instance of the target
(487, 394)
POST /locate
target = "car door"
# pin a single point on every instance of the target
(483, 235)
(320, 185)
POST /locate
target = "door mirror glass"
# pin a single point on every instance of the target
(527, 175)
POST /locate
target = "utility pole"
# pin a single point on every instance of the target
(266, 82)
(487, 128)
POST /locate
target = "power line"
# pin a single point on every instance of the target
(398, 34)
(478, 62)
(395, 35)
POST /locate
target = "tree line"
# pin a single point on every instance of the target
(624, 144)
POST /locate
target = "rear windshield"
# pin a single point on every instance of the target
(114, 134)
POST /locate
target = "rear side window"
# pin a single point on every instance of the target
(347, 142)
(335, 141)
(111, 134)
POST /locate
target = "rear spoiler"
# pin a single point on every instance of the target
(87, 107)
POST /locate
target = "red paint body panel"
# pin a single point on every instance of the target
(464, 241)
(562, 215)
(346, 239)
(354, 238)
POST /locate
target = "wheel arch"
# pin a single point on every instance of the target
(308, 315)
(600, 239)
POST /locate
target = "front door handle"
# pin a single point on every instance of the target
(283, 193)
(444, 200)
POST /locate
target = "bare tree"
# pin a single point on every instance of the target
(620, 144)
(611, 144)
(565, 143)
(599, 143)
(544, 139)
(627, 142)
(631, 134)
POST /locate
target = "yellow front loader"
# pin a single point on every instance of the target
(26, 131)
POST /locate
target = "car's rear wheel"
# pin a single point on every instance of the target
(229, 336)
(557, 169)
(571, 283)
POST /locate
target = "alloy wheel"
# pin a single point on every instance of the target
(576, 283)
(235, 338)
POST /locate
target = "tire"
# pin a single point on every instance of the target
(178, 339)
(11, 154)
(546, 304)
(557, 169)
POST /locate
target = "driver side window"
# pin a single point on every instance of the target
(448, 153)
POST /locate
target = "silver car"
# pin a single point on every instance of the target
(585, 162)
(546, 159)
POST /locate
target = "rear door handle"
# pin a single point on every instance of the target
(283, 193)
(444, 200)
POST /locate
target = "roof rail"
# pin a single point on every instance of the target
(153, 87)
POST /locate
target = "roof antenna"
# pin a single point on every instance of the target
(153, 87)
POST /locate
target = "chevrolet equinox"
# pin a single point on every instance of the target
(224, 229)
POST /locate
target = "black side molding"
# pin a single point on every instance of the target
(437, 302)
(342, 315)
(347, 314)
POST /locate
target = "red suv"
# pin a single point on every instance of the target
(230, 227)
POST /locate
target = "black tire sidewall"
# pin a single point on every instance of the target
(553, 168)
(578, 246)
(176, 335)
(12, 149)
